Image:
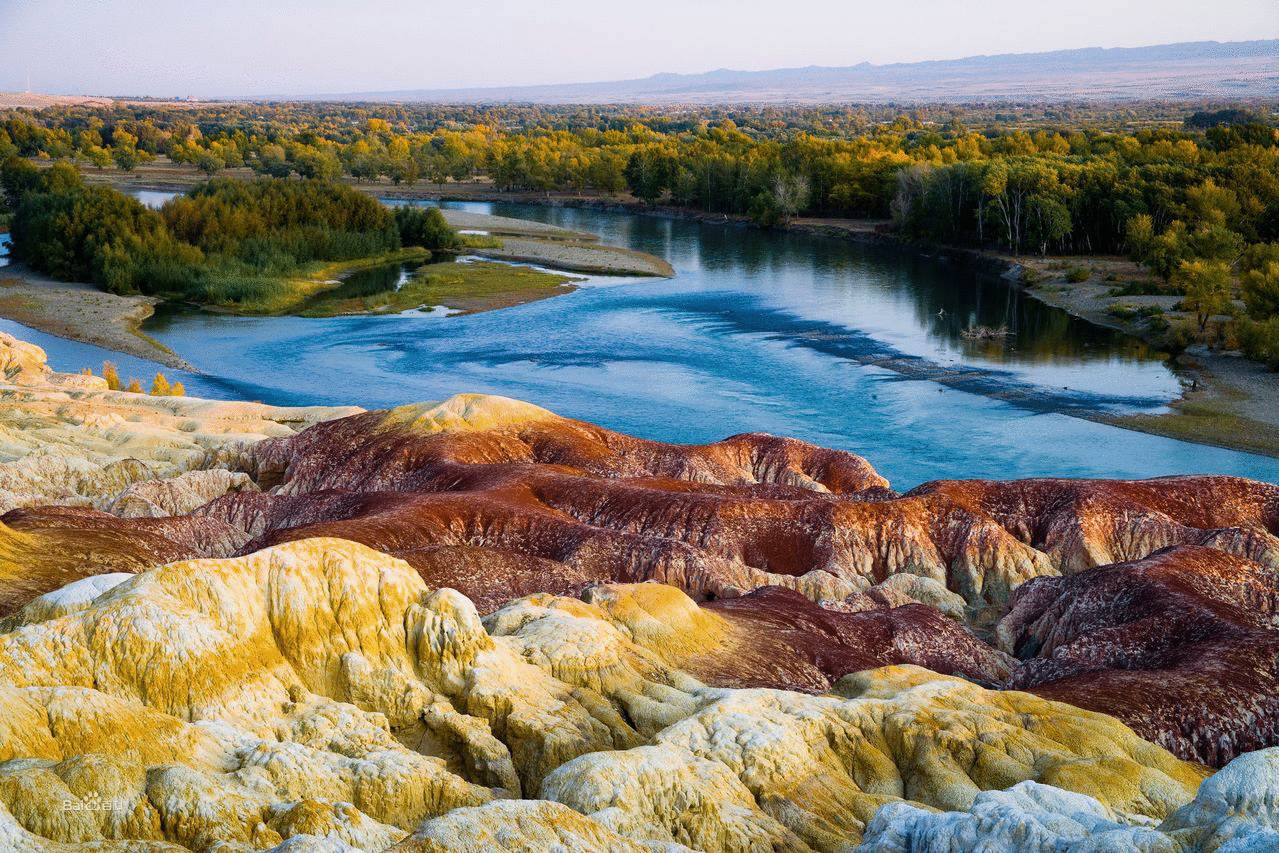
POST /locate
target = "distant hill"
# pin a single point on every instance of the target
(1188, 70)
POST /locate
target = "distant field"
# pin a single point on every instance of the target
(37, 101)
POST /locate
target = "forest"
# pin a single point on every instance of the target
(1190, 191)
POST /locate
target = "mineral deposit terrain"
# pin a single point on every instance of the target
(475, 625)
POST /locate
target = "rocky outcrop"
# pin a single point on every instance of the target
(66, 441)
(1234, 811)
(790, 642)
(178, 495)
(320, 688)
(1183, 646)
(43, 549)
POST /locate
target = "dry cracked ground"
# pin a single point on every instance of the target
(476, 625)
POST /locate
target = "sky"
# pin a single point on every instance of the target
(286, 47)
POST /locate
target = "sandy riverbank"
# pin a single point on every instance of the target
(558, 248)
(81, 312)
(1227, 400)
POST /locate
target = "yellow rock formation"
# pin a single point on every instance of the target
(66, 440)
(319, 689)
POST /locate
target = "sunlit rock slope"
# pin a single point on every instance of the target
(323, 687)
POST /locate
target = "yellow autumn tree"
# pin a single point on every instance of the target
(111, 374)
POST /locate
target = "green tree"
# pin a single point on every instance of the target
(18, 177)
(1139, 234)
(1206, 284)
(425, 227)
(317, 164)
(647, 174)
(126, 157)
(791, 193)
(208, 162)
(1261, 291)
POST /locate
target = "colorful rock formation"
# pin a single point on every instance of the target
(475, 624)
(66, 441)
(1234, 811)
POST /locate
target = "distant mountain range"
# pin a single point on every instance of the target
(1206, 69)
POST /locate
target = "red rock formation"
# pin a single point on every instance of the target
(1183, 646)
(791, 643)
(499, 499)
(1086, 523)
(750, 511)
(43, 549)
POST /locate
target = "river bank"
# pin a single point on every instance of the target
(82, 312)
(1227, 400)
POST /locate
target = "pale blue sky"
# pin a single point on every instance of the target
(261, 47)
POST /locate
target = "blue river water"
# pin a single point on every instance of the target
(784, 333)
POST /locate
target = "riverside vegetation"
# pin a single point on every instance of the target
(263, 247)
(1193, 195)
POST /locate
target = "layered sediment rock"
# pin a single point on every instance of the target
(578, 503)
(321, 688)
(1183, 646)
(67, 441)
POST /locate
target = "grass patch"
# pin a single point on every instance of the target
(284, 294)
(481, 241)
(478, 286)
(1075, 275)
(1204, 423)
(1146, 287)
(1133, 312)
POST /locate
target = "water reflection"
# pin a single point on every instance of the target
(366, 282)
(912, 305)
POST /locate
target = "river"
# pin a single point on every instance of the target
(779, 332)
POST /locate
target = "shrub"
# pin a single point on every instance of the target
(1075, 275)
(1144, 287)
(1260, 341)
(1178, 337)
(426, 227)
(1123, 311)
(1206, 284)
(1261, 291)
